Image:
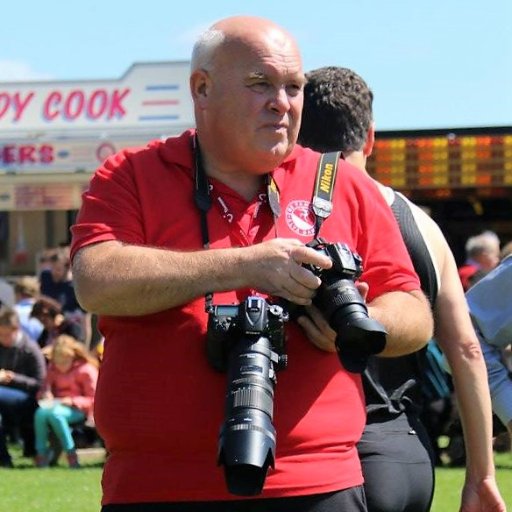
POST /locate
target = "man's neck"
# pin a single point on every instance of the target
(244, 183)
(357, 159)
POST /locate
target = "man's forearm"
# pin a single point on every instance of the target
(407, 319)
(112, 278)
(116, 279)
(474, 405)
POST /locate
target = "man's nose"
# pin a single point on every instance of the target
(280, 101)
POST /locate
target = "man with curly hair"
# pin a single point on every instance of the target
(395, 450)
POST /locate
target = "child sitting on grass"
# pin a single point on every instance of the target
(66, 397)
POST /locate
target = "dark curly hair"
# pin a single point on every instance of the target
(46, 306)
(337, 111)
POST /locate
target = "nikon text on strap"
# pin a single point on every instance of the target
(324, 186)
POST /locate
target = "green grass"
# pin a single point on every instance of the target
(28, 489)
(449, 482)
(59, 489)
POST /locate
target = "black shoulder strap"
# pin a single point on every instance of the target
(324, 186)
(416, 247)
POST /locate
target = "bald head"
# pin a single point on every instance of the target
(246, 31)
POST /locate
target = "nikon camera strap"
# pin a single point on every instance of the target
(324, 187)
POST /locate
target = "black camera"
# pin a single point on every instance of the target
(247, 341)
(357, 335)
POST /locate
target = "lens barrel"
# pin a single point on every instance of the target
(247, 440)
(358, 335)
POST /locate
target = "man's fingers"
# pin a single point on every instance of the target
(318, 318)
(304, 277)
(315, 335)
(307, 256)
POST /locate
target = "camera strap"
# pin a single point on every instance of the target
(203, 201)
(324, 187)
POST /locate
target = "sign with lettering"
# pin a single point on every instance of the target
(148, 95)
(70, 126)
(61, 156)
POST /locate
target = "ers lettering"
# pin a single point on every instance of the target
(26, 153)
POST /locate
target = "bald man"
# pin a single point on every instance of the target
(220, 216)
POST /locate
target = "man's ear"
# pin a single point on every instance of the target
(200, 87)
(370, 141)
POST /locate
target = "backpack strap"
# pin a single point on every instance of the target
(324, 187)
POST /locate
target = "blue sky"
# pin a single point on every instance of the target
(435, 64)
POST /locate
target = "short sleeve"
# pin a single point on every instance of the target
(110, 206)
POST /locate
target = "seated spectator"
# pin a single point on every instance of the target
(49, 312)
(57, 283)
(482, 254)
(43, 259)
(22, 371)
(66, 397)
(26, 290)
(6, 293)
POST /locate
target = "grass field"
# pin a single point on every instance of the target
(27, 489)
(449, 483)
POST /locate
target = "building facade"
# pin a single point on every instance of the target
(53, 135)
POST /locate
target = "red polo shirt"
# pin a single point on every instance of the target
(159, 404)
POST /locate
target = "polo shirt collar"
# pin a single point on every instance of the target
(178, 151)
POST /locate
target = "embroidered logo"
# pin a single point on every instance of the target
(300, 218)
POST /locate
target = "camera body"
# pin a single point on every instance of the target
(358, 335)
(228, 323)
(247, 341)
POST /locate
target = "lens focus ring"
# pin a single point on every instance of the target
(253, 397)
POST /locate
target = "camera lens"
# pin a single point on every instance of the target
(358, 335)
(248, 438)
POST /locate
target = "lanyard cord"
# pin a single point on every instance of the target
(203, 201)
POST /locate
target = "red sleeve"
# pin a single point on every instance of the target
(110, 207)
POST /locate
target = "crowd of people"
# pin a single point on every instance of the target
(47, 376)
(223, 215)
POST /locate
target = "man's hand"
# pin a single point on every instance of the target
(482, 497)
(6, 376)
(160, 279)
(317, 328)
(278, 269)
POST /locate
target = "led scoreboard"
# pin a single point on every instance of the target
(445, 163)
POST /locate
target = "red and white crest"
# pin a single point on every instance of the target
(300, 218)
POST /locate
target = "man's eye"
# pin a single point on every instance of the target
(260, 86)
(293, 89)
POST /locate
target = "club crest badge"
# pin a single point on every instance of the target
(300, 218)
